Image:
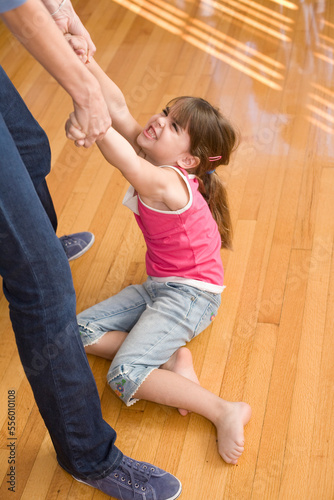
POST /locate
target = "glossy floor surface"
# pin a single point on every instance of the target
(269, 65)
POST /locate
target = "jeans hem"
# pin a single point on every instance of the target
(101, 475)
(129, 400)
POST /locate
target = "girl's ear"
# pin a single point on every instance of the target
(188, 161)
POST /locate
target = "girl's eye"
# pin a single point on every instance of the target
(174, 124)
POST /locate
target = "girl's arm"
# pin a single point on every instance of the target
(158, 187)
(122, 120)
(154, 185)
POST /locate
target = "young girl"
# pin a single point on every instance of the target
(180, 205)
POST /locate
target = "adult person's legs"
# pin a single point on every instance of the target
(38, 285)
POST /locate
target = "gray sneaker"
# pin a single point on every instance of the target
(77, 244)
(134, 480)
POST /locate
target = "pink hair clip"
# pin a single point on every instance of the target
(214, 158)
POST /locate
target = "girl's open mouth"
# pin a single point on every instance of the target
(150, 133)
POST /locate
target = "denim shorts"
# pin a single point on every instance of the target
(160, 318)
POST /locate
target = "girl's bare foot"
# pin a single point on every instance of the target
(230, 430)
(182, 363)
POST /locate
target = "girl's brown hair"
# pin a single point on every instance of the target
(211, 135)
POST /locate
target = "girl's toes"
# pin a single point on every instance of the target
(230, 459)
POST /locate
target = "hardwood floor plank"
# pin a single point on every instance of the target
(282, 382)
(44, 467)
(320, 476)
(285, 224)
(256, 391)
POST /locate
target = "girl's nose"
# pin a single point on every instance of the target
(161, 121)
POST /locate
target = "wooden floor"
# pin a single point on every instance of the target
(269, 65)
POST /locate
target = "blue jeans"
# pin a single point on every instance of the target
(38, 285)
(160, 318)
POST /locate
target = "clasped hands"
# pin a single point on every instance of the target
(74, 131)
(74, 31)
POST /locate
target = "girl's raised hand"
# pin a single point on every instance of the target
(68, 22)
(79, 45)
(74, 132)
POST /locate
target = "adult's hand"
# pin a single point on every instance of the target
(93, 118)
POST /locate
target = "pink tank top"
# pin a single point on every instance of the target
(185, 243)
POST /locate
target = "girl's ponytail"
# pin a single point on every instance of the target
(215, 194)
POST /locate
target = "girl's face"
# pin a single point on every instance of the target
(163, 140)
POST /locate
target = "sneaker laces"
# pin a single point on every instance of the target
(67, 240)
(138, 472)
